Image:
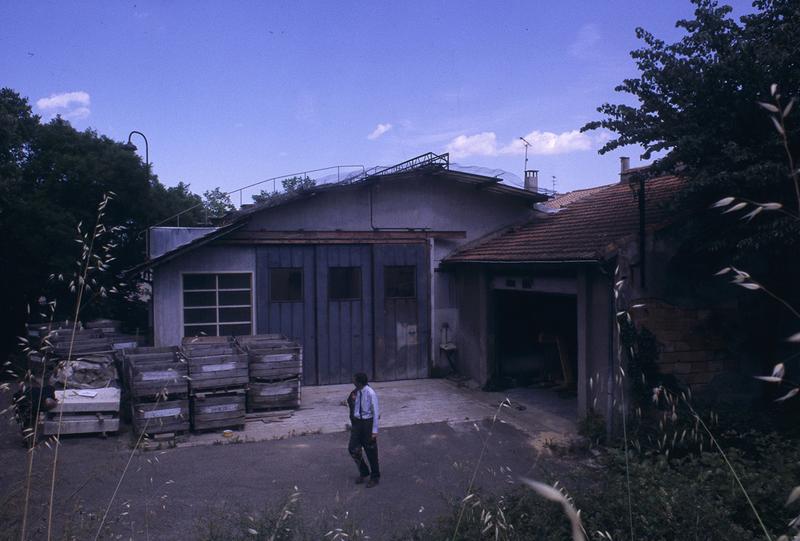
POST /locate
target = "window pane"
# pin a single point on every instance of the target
(199, 281)
(234, 314)
(200, 298)
(243, 329)
(400, 282)
(234, 281)
(228, 298)
(344, 283)
(200, 330)
(200, 315)
(286, 285)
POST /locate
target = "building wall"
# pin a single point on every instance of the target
(167, 286)
(425, 201)
(596, 343)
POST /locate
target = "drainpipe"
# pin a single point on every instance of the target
(607, 271)
(642, 210)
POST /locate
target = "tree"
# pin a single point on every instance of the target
(291, 186)
(217, 203)
(698, 104)
(697, 109)
(52, 178)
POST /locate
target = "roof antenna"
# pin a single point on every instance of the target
(554, 184)
(527, 144)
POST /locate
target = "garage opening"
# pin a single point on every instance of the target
(536, 340)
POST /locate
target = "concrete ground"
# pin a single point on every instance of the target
(433, 433)
(539, 412)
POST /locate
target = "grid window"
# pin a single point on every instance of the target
(286, 285)
(217, 304)
(344, 283)
(400, 282)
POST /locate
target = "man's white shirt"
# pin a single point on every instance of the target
(367, 406)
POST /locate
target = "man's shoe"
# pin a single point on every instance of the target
(360, 480)
(372, 482)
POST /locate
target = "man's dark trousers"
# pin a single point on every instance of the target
(361, 436)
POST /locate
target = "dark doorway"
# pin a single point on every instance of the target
(536, 339)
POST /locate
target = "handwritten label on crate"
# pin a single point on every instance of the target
(169, 412)
(221, 408)
(218, 367)
(158, 375)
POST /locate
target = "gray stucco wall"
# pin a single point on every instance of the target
(163, 239)
(167, 286)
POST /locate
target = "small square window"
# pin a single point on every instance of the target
(400, 282)
(344, 283)
(286, 285)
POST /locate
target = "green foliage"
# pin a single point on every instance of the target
(217, 203)
(698, 105)
(52, 178)
(291, 186)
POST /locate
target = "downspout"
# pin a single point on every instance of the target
(371, 223)
(642, 258)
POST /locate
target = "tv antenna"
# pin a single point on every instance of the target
(527, 144)
(554, 184)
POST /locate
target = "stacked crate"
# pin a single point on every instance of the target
(218, 376)
(157, 382)
(276, 371)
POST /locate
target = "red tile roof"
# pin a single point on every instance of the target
(587, 229)
(563, 200)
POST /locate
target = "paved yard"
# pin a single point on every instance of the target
(428, 452)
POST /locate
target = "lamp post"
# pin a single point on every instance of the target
(146, 150)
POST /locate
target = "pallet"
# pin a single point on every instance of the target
(161, 417)
(153, 371)
(220, 410)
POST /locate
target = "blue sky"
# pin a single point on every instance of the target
(229, 93)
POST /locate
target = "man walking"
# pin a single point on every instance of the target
(364, 432)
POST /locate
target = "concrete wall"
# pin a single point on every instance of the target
(164, 239)
(167, 285)
(472, 288)
(596, 343)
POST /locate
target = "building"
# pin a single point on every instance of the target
(350, 269)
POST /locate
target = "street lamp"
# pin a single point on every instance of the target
(146, 150)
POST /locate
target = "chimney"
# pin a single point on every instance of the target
(624, 164)
(532, 180)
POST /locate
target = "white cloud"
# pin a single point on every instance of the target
(74, 105)
(379, 130)
(545, 142)
(541, 143)
(482, 144)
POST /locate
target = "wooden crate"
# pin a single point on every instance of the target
(218, 410)
(150, 371)
(274, 394)
(81, 424)
(217, 371)
(161, 417)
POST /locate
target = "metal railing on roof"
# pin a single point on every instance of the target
(423, 160)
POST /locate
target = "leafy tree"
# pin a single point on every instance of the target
(217, 203)
(696, 109)
(52, 178)
(291, 185)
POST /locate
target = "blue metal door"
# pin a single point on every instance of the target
(344, 312)
(402, 311)
(285, 299)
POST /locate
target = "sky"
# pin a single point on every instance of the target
(232, 93)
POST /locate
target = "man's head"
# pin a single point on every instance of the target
(360, 379)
